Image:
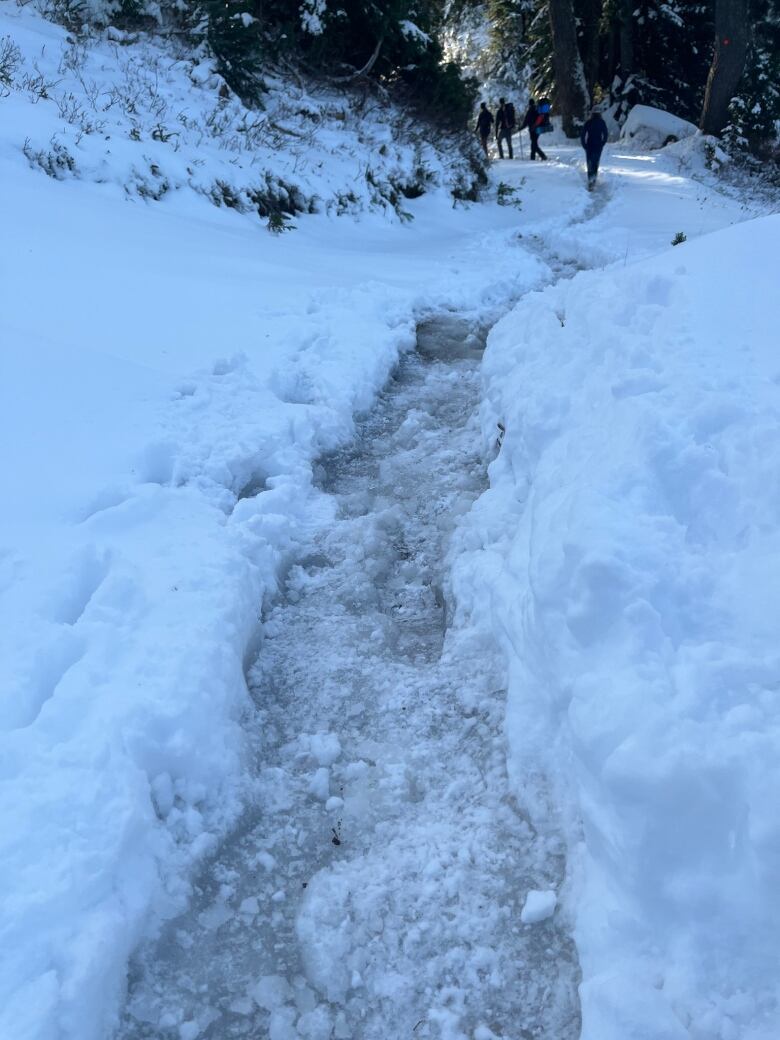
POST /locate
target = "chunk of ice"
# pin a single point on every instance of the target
(539, 905)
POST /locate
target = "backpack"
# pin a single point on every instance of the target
(543, 124)
(509, 115)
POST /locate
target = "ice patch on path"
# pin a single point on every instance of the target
(627, 555)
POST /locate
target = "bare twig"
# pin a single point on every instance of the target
(361, 73)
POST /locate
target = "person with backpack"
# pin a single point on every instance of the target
(484, 125)
(593, 137)
(505, 125)
(533, 121)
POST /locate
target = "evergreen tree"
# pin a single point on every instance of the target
(754, 112)
(672, 45)
(654, 52)
(510, 22)
(540, 51)
(657, 52)
(236, 41)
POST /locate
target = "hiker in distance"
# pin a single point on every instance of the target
(532, 122)
(484, 125)
(505, 126)
(593, 137)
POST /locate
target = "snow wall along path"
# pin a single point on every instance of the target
(159, 484)
(631, 567)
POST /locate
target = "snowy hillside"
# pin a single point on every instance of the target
(173, 377)
(157, 120)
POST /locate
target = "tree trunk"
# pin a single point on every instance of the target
(613, 50)
(626, 39)
(728, 63)
(590, 28)
(570, 90)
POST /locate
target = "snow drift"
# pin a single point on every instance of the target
(649, 127)
(631, 568)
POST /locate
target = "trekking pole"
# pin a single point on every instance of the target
(522, 153)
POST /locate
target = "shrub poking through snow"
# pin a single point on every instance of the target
(10, 60)
(506, 195)
(278, 223)
(56, 161)
(679, 238)
(157, 117)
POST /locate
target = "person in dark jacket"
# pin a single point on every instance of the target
(484, 125)
(531, 121)
(505, 125)
(594, 136)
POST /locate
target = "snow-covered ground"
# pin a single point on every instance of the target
(628, 563)
(151, 116)
(170, 374)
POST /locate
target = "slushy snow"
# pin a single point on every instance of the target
(401, 913)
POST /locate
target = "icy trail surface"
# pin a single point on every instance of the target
(375, 888)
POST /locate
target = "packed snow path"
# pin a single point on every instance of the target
(375, 888)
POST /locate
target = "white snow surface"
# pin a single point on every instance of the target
(649, 127)
(170, 372)
(151, 116)
(157, 477)
(629, 563)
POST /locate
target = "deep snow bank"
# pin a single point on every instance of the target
(630, 562)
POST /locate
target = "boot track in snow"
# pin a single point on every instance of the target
(374, 887)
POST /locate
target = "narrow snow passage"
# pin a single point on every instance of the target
(376, 886)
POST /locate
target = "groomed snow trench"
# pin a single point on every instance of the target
(375, 886)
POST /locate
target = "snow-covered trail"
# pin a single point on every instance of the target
(134, 562)
(641, 200)
(374, 889)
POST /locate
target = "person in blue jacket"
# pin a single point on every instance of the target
(593, 137)
(532, 121)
